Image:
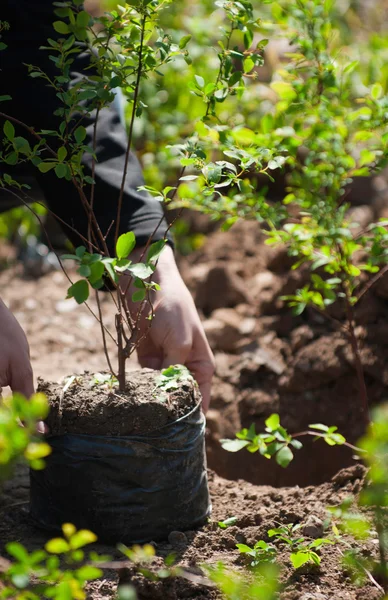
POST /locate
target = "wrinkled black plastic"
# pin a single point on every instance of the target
(129, 489)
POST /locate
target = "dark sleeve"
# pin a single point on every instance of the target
(140, 213)
(34, 103)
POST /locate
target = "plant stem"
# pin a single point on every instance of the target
(130, 132)
(357, 362)
(120, 353)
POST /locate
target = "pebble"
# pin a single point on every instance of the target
(177, 538)
(313, 528)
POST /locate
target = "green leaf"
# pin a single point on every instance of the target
(96, 272)
(125, 244)
(60, 170)
(200, 81)
(273, 422)
(376, 91)
(82, 538)
(184, 41)
(234, 445)
(57, 546)
(155, 251)
(126, 592)
(18, 551)
(61, 27)
(80, 134)
(141, 270)
(139, 295)
(5, 97)
(227, 522)
(37, 450)
(83, 19)
(319, 426)
(85, 270)
(79, 291)
(88, 573)
(244, 549)
(284, 456)
(299, 559)
(62, 153)
(11, 158)
(45, 167)
(9, 130)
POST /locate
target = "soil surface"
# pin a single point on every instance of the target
(256, 508)
(92, 407)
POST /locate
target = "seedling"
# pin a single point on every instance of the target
(260, 553)
(106, 380)
(227, 522)
(302, 551)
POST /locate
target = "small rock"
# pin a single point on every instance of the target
(65, 306)
(313, 596)
(301, 336)
(313, 528)
(177, 538)
(221, 288)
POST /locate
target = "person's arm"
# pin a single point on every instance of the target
(176, 335)
(15, 365)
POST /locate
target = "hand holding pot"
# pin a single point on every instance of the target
(176, 334)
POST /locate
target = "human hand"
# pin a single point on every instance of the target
(15, 365)
(176, 334)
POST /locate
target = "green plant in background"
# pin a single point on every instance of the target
(322, 131)
(262, 552)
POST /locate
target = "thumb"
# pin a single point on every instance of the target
(22, 379)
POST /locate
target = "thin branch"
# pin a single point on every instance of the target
(103, 334)
(371, 282)
(130, 133)
(322, 435)
(56, 254)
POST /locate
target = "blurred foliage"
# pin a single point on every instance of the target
(18, 441)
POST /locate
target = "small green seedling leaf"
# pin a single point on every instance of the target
(57, 546)
(227, 522)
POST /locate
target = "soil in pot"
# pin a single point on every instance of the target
(92, 405)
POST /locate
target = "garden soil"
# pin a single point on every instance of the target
(266, 361)
(256, 508)
(87, 407)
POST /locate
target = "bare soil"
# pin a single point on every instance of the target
(267, 361)
(256, 508)
(95, 408)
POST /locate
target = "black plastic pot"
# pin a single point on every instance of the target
(129, 489)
